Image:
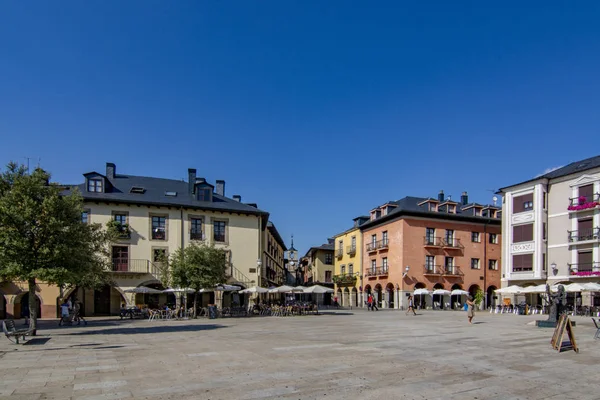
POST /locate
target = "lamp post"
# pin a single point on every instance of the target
(406, 269)
(259, 272)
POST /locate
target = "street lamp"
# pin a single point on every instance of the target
(554, 268)
(406, 269)
(258, 271)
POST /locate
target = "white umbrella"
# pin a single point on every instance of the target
(178, 290)
(534, 289)
(255, 289)
(317, 289)
(142, 289)
(442, 292)
(514, 289)
(285, 289)
(592, 286)
(575, 288)
(459, 292)
(227, 288)
(421, 292)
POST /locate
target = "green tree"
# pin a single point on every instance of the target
(42, 236)
(198, 267)
(479, 295)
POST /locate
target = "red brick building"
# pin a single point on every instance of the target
(432, 243)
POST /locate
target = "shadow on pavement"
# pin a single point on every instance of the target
(132, 330)
(334, 313)
(36, 341)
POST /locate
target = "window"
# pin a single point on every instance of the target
(522, 262)
(350, 269)
(341, 245)
(373, 240)
(385, 238)
(449, 264)
(384, 264)
(493, 265)
(474, 263)
(219, 228)
(450, 236)
(204, 194)
(120, 258)
(429, 235)
(327, 276)
(353, 244)
(544, 230)
(373, 266)
(522, 233)
(585, 261)
(523, 203)
(95, 185)
(587, 191)
(159, 228)
(475, 237)
(159, 255)
(120, 218)
(329, 259)
(85, 216)
(429, 263)
(196, 229)
(545, 199)
(343, 269)
(493, 238)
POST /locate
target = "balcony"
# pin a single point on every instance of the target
(383, 270)
(429, 241)
(371, 272)
(452, 270)
(584, 235)
(432, 270)
(371, 247)
(124, 265)
(344, 279)
(383, 244)
(583, 203)
(351, 250)
(585, 269)
(452, 243)
(196, 235)
(339, 253)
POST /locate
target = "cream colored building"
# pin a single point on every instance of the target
(273, 258)
(551, 226)
(156, 217)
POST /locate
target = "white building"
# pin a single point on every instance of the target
(551, 225)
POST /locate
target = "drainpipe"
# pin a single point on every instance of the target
(182, 228)
(485, 262)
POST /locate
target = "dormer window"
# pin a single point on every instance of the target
(137, 189)
(204, 194)
(95, 185)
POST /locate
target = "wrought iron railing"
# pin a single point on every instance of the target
(452, 243)
(139, 266)
(344, 279)
(351, 250)
(432, 269)
(383, 244)
(432, 241)
(452, 270)
(372, 246)
(584, 234)
(339, 253)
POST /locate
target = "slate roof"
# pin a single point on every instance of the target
(409, 206)
(327, 246)
(154, 194)
(572, 168)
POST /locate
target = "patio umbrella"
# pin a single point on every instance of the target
(514, 289)
(592, 286)
(575, 288)
(228, 288)
(420, 293)
(143, 289)
(255, 289)
(286, 289)
(534, 289)
(442, 292)
(180, 291)
(317, 289)
(459, 292)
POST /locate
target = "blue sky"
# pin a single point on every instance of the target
(318, 111)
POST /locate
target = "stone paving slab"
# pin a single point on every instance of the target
(339, 355)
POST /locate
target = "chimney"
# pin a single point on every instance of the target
(221, 188)
(111, 170)
(441, 196)
(237, 197)
(191, 179)
(464, 199)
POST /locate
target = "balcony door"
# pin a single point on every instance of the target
(430, 235)
(120, 258)
(449, 265)
(585, 260)
(585, 229)
(450, 237)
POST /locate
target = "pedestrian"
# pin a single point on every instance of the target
(411, 305)
(374, 303)
(470, 309)
(369, 302)
(335, 302)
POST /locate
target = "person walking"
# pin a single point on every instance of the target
(374, 303)
(370, 302)
(470, 309)
(411, 305)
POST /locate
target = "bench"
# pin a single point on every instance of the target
(10, 330)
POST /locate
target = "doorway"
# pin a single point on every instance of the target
(102, 301)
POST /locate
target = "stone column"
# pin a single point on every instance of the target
(397, 299)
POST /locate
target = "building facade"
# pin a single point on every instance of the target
(431, 243)
(273, 261)
(156, 217)
(552, 227)
(317, 265)
(347, 275)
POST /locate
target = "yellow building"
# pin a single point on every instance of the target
(317, 265)
(158, 216)
(348, 264)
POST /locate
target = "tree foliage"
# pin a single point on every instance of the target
(198, 267)
(42, 236)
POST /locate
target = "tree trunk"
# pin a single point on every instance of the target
(195, 303)
(32, 307)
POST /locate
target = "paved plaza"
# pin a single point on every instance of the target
(349, 354)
